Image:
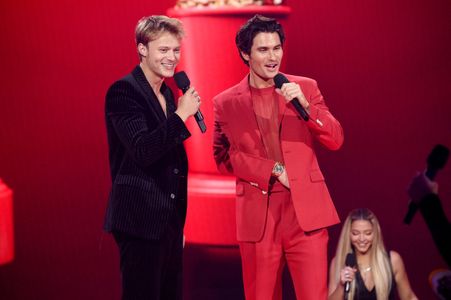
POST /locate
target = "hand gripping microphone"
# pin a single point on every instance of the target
(350, 262)
(435, 161)
(183, 83)
(279, 80)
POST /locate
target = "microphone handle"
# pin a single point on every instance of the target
(347, 289)
(198, 116)
(410, 213)
(200, 121)
(301, 110)
(347, 286)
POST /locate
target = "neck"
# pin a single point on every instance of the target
(259, 82)
(154, 80)
(363, 260)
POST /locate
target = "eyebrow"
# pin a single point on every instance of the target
(169, 47)
(267, 47)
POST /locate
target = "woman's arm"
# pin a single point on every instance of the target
(402, 281)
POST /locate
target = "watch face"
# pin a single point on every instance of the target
(278, 169)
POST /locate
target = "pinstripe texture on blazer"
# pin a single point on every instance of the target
(148, 162)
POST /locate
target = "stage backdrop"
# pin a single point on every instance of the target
(383, 66)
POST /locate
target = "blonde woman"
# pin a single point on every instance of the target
(377, 273)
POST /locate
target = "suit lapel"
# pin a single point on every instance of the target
(246, 105)
(245, 98)
(248, 122)
(282, 109)
(169, 97)
(145, 89)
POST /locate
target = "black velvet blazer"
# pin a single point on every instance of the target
(148, 162)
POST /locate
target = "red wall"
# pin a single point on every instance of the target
(383, 66)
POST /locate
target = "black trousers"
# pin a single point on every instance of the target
(151, 269)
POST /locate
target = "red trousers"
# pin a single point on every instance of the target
(285, 242)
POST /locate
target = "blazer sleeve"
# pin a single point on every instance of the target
(438, 224)
(251, 168)
(145, 138)
(322, 124)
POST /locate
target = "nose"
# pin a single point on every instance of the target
(272, 54)
(172, 56)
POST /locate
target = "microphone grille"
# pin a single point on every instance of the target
(181, 80)
(438, 157)
(279, 80)
(350, 260)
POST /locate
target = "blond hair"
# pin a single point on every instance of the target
(379, 259)
(152, 27)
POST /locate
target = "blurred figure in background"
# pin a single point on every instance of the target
(424, 193)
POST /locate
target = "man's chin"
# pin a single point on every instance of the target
(271, 74)
(167, 73)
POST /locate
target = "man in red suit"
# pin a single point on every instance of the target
(283, 207)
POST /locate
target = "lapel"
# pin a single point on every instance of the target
(248, 122)
(282, 108)
(243, 95)
(151, 99)
(245, 108)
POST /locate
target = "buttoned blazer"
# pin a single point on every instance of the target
(239, 150)
(148, 162)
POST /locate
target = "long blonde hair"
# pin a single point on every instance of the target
(379, 259)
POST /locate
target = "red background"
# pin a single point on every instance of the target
(383, 66)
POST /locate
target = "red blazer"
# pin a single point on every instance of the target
(239, 150)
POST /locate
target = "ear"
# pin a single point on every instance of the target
(142, 50)
(245, 56)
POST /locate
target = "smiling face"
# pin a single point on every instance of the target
(264, 58)
(160, 56)
(362, 235)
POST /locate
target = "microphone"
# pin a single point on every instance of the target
(183, 83)
(279, 80)
(350, 262)
(435, 161)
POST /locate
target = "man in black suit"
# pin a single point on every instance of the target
(147, 204)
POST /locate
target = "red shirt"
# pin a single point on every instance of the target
(266, 109)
